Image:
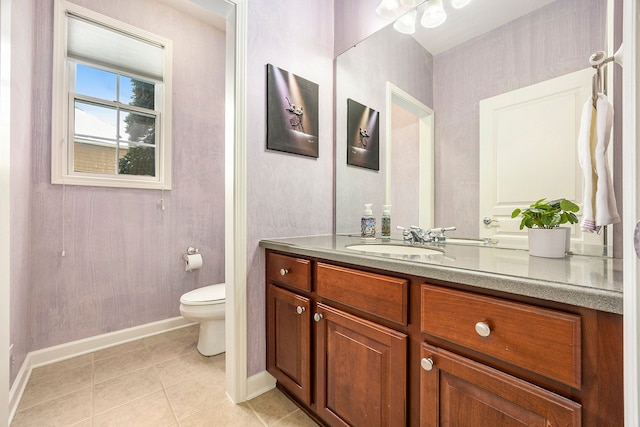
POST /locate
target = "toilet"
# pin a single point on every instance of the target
(206, 305)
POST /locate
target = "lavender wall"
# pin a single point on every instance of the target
(123, 253)
(552, 41)
(22, 121)
(288, 195)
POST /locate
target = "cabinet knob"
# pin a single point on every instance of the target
(317, 317)
(284, 271)
(483, 329)
(426, 363)
(300, 309)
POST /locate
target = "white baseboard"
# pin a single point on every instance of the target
(18, 386)
(68, 350)
(259, 383)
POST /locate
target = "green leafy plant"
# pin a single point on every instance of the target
(543, 214)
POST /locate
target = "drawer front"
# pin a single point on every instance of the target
(376, 294)
(540, 340)
(288, 270)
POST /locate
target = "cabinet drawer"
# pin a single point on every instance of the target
(376, 294)
(540, 340)
(289, 270)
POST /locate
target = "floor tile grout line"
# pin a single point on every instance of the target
(41, 402)
(276, 421)
(173, 412)
(52, 399)
(126, 403)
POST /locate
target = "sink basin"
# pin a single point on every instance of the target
(391, 249)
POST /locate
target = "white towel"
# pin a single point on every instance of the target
(599, 207)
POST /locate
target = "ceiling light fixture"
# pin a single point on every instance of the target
(406, 24)
(434, 14)
(404, 12)
(388, 9)
(459, 4)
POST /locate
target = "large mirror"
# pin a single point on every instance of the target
(436, 93)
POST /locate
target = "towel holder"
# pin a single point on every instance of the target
(597, 61)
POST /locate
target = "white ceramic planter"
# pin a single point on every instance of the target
(548, 243)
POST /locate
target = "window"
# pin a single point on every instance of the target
(111, 121)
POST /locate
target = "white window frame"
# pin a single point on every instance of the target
(62, 170)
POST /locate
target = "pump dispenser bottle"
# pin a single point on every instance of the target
(368, 224)
(386, 222)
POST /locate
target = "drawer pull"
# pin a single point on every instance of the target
(300, 309)
(284, 271)
(483, 329)
(426, 363)
(317, 317)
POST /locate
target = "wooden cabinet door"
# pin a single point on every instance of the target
(455, 391)
(361, 371)
(289, 341)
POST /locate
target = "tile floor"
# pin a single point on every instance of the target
(156, 381)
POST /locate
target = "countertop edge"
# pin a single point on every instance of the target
(587, 297)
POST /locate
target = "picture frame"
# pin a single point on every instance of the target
(292, 113)
(363, 136)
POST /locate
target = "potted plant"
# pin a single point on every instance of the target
(543, 219)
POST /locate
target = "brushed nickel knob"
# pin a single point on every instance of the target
(317, 317)
(300, 309)
(426, 363)
(483, 329)
(284, 271)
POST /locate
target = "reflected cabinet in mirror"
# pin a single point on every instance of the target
(474, 125)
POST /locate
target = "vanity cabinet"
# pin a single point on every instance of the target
(358, 373)
(361, 346)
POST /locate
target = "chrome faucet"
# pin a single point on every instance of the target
(416, 235)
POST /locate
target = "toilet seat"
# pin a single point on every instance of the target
(207, 295)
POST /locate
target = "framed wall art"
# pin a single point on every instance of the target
(363, 136)
(292, 113)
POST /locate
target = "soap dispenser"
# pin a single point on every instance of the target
(368, 224)
(386, 222)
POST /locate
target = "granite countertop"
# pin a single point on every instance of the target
(587, 281)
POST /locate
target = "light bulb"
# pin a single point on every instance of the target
(434, 14)
(410, 3)
(388, 9)
(406, 24)
(459, 4)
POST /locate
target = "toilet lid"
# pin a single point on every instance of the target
(204, 295)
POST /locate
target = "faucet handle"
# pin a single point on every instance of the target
(406, 233)
(441, 230)
(437, 234)
(409, 233)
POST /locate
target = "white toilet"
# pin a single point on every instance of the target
(206, 305)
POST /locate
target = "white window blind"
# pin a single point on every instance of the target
(98, 44)
(97, 61)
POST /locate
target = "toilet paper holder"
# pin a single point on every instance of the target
(192, 259)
